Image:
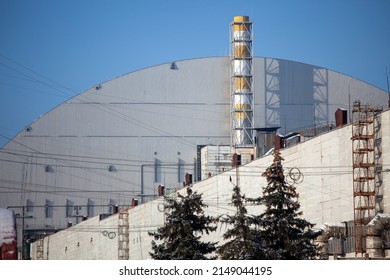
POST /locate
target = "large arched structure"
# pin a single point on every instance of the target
(115, 143)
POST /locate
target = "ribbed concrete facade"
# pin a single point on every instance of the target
(325, 195)
(122, 138)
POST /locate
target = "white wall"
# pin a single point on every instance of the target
(325, 194)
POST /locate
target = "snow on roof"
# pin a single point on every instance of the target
(379, 220)
(7, 226)
(329, 225)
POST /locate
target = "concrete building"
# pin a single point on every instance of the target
(325, 194)
(112, 146)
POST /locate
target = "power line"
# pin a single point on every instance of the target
(30, 89)
(103, 108)
(73, 164)
(36, 73)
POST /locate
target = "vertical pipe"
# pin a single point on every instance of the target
(241, 82)
(142, 184)
(388, 88)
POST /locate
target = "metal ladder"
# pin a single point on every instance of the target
(123, 235)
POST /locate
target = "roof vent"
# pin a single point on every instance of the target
(49, 169)
(173, 66)
(112, 168)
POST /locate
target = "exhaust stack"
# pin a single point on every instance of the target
(241, 58)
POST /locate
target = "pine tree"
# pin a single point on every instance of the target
(244, 240)
(185, 222)
(286, 235)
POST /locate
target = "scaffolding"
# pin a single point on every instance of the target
(364, 168)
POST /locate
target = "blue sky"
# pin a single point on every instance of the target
(52, 50)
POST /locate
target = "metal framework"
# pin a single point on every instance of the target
(320, 95)
(363, 153)
(241, 59)
(272, 92)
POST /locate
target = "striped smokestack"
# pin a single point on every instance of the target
(241, 82)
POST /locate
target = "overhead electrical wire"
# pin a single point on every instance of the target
(25, 183)
(144, 125)
(99, 165)
(310, 170)
(331, 170)
(72, 163)
(30, 89)
(127, 118)
(50, 156)
(101, 107)
(37, 74)
(79, 97)
(246, 169)
(57, 189)
(58, 85)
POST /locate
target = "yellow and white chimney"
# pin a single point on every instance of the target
(241, 82)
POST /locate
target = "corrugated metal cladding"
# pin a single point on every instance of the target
(127, 136)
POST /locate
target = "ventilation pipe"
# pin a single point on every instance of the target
(161, 190)
(241, 82)
(134, 202)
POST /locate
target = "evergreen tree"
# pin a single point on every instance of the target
(185, 222)
(244, 240)
(286, 235)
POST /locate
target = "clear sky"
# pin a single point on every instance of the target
(55, 49)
